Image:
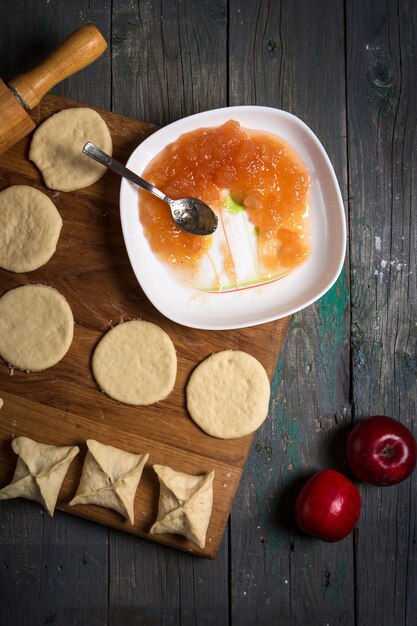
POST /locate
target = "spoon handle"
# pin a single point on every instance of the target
(105, 159)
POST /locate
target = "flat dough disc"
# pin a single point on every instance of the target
(29, 228)
(36, 327)
(135, 363)
(228, 394)
(57, 145)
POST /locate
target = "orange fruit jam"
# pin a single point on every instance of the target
(259, 171)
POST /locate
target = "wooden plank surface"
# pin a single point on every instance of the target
(91, 269)
(382, 107)
(65, 577)
(291, 62)
(151, 81)
(294, 56)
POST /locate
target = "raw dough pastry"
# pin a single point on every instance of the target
(228, 394)
(135, 363)
(57, 145)
(110, 478)
(36, 327)
(185, 504)
(40, 471)
(29, 228)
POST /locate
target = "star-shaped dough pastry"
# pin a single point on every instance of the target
(40, 471)
(110, 478)
(185, 504)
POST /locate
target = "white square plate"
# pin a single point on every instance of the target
(188, 306)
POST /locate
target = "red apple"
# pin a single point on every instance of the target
(328, 506)
(381, 451)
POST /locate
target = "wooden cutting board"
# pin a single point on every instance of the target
(63, 406)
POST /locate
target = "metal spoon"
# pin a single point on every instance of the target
(190, 214)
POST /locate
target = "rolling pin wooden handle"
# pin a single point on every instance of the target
(80, 49)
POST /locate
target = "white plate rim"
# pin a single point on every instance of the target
(213, 118)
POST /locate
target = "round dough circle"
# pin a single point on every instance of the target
(57, 145)
(228, 394)
(36, 327)
(29, 228)
(135, 363)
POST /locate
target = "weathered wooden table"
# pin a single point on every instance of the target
(349, 70)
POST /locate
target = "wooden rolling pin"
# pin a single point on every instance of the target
(80, 49)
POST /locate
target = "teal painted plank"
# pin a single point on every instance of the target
(169, 60)
(291, 55)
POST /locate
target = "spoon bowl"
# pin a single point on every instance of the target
(191, 211)
(189, 214)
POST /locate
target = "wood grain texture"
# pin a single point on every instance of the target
(51, 571)
(32, 30)
(43, 423)
(169, 59)
(177, 71)
(291, 58)
(91, 269)
(15, 121)
(76, 52)
(155, 586)
(42, 26)
(382, 108)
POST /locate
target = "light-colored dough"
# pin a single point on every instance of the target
(36, 327)
(29, 228)
(135, 363)
(110, 478)
(185, 504)
(40, 471)
(228, 394)
(57, 145)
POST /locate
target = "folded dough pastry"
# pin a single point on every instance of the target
(185, 504)
(40, 471)
(110, 478)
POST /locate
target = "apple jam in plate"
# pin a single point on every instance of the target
(259, 189)
(281, 239)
